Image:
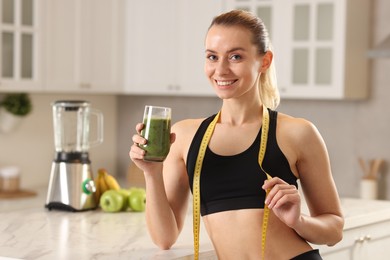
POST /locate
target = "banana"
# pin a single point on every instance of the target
(111, 182)
(102, 182)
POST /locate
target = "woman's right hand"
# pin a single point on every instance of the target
(137, 153)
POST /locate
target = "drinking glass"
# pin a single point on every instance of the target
(157, 130)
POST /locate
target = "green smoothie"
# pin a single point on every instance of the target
(157, 133)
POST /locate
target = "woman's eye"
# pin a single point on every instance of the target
(235, 57)
(212, 57)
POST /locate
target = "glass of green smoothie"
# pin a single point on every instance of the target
(157, 130)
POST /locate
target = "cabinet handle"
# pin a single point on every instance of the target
(362, 239)
(173, 87)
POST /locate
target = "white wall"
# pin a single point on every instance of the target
(31, 145)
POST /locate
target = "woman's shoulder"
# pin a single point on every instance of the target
(293, 121)
(186, 129)
(296, 127)
(184, 132)
(298, 138)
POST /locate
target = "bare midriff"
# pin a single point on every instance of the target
(236, 234)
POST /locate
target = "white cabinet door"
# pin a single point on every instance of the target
(149, 46)
(21, 45)
(378, 241)
(99, 45)
(164, 50)
(62, 47)
(313, 50)
(82, 39)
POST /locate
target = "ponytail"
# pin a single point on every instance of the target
(269, 93)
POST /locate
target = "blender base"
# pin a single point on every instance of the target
(64, 207)
(71, 187)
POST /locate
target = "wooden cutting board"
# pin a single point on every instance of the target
(17, 194)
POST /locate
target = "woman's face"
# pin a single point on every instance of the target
(233, 63)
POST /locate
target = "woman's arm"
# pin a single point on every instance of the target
(325, 223)
(167, 189)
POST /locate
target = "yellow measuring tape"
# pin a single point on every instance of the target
(198, 169)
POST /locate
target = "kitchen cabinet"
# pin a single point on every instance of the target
(82, 44)
(21, 45)
(319, 46)
(365, 242)
(164, 50)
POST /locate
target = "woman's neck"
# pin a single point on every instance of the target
(237, 112)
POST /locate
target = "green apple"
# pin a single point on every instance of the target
(112, 201)
(137, 199)
(126, 194)
(131, 189)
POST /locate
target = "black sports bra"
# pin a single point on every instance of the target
(234, 182)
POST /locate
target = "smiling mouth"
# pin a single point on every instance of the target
(225, 82)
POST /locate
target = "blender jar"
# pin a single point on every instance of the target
(71, 122)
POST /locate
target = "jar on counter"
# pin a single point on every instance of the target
(9, 179)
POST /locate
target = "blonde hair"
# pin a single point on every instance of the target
(269, 93)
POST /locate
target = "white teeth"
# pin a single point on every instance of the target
(225, 83)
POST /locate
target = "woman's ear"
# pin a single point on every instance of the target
(266, 61)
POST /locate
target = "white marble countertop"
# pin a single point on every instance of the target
(360, 212)
(29, 231)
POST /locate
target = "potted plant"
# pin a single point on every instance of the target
(13, 108)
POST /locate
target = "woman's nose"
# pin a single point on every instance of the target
(222, 67)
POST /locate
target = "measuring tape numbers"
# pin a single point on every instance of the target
(263, 147)
(198, 168)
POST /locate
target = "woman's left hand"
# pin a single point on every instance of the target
(284, 200)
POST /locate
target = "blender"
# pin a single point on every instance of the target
(71, 185)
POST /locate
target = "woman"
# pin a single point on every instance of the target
(233, 186)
